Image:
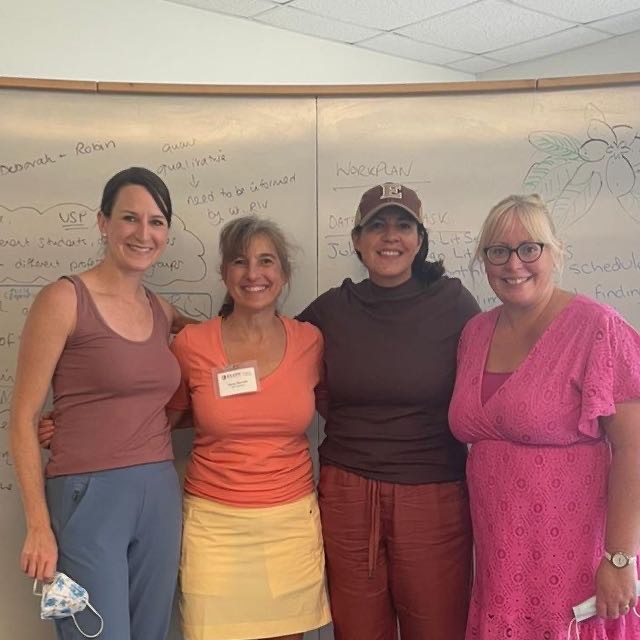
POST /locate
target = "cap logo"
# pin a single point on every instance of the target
(391, 190)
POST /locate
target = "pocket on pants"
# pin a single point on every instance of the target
(65, 497)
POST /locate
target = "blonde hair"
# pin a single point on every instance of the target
(532, 213)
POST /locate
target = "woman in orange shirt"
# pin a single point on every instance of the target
(252, 561)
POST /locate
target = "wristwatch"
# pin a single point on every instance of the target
(619, 559)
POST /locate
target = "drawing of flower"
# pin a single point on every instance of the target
(571, 175)
(611, 146)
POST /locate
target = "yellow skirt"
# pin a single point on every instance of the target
(251, 572)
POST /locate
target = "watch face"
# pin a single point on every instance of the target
(619, 560)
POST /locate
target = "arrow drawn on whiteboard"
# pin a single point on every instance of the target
(572, 174)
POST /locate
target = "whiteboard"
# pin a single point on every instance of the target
(303, 161)
(220, 158)
(463, 154)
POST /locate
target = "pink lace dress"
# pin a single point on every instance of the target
(538, 470)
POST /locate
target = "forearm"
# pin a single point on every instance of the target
(623, 507)
(28, 466)
(616, 581)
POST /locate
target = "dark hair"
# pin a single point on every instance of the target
(137, 176)
(234, 240)
(421, 268)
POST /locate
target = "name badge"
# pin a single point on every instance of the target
(236, 379)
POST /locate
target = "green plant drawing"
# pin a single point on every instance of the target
(571, 174)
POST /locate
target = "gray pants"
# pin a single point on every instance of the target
(118, 534)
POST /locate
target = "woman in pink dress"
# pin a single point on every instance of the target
(548, 395)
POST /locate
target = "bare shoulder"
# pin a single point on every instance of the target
(56, 303)
(59, 293)
(50, 322)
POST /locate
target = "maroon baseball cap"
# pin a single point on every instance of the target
(389, 194)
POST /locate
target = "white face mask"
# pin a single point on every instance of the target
(61, 598)
(587, 609)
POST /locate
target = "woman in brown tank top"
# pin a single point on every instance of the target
(101, 339)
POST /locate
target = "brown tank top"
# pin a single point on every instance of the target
(109, 394)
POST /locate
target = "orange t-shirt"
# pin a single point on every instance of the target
(249, 450)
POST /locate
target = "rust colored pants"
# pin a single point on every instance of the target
(397, 555)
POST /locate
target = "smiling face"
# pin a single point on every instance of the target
(136, 231)
(255, 278)
(518, 283)
(387, 245)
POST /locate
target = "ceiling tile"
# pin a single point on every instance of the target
(243, 8)
(404, 47)
(548, 45)
(479, 27)
(620, 24)
(580, 10)
(293, 19)
(475, 64)
(198, 4)
(445, 32)
(385, 15)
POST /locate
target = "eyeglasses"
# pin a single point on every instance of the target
(498, 254)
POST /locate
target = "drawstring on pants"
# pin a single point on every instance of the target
(373, 506)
